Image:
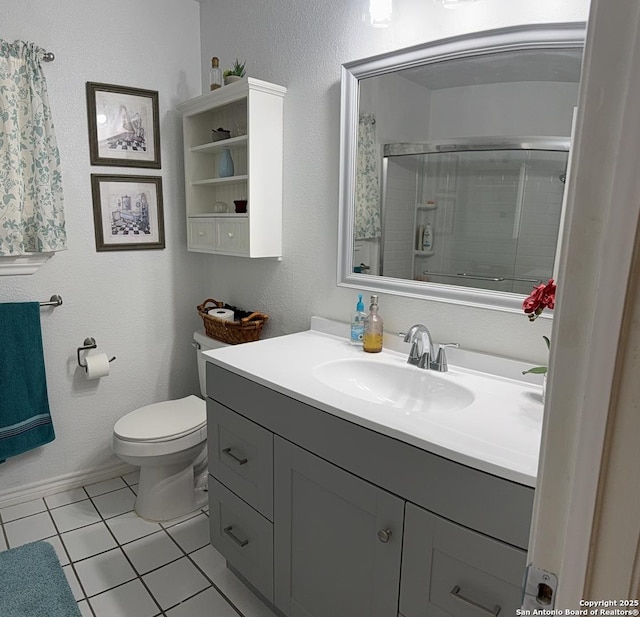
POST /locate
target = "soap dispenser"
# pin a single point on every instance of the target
(357, 322)
(373, 329)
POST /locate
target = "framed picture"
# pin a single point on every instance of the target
(127, 212)
(124, 127)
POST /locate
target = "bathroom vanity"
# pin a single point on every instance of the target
(330, 506)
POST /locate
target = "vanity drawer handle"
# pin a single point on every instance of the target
(238, 541)
(455, 592)
(240, 461)
(384, 535)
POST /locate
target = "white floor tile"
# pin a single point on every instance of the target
(191, 534)
(127, 600)
(60, 552)
(114, 503)
(85, 611)
(22, 509)
(152, 552)
(132, 478)
(212, 563)
(102, 572)
(88, 541)
(3, 544)
(75, 515)
(129, 526)
(175, 582)
(209, 602)
(180, 519)
(73, 582)
(30, 529)
(134, 488)
(66, 497)
(104, 487)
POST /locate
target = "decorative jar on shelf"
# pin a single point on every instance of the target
(225, 165)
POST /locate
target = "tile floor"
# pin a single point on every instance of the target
(119, 565)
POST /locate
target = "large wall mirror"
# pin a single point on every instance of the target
(453, 166)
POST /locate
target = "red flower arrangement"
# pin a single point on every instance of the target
(542, 297)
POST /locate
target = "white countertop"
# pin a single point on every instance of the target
(499, 432)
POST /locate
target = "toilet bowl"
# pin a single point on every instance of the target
(167, 440)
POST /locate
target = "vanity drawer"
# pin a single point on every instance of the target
(241, 456)
(201, 233)
(232, 235)
(243, 536)
(450, 570)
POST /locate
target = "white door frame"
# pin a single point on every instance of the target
(603, 211)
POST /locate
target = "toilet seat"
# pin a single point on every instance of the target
(162, 422)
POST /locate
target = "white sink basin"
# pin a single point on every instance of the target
(400, 386)
(489, 421)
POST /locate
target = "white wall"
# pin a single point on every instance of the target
(544, 108)
(139, 305)
(301, 44)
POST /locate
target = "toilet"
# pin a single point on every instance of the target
(168, 441)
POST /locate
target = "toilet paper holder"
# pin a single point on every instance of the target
(89, 343)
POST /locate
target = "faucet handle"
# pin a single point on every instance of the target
(440, 363)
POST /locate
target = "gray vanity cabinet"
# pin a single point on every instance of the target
(325, 518)
(338, 540)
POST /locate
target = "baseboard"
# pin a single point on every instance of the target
(36, 490)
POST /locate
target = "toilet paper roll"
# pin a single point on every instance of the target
(224, 314)
(97, 366)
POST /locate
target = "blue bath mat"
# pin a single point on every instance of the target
(32, 583)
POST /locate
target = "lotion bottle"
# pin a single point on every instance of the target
(373, 329)
(357, 322)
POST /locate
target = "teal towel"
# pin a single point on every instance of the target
(32, 583)
(25, 421)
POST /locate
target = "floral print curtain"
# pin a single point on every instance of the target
(31, 199)
(367, 206)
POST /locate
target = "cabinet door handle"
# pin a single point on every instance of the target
(201, 233)
(495, 611)
(384, 535)
(238, 541)
(230, 234)
(240, 461)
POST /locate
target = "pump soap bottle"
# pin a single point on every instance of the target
(373, 328)
(357, 322)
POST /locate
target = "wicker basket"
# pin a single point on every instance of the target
(233, 332)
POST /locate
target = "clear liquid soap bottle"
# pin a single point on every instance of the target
(373, 329)
(357, 322)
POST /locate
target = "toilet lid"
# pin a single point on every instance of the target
(163, 421)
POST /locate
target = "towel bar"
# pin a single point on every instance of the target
(55, 300)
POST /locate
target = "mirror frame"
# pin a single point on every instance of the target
(519, 38)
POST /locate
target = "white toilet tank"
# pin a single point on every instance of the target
(204, 343)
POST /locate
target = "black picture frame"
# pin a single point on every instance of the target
(127, 212)
(124, 126)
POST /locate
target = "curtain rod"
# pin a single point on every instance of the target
(48, 56)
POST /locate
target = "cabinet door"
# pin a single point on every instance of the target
(448, 570)
(338, 540)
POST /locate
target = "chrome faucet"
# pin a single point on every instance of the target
(424, 353)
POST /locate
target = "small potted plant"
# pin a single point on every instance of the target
(236, 73)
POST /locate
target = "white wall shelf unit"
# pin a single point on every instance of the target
(257, 159)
